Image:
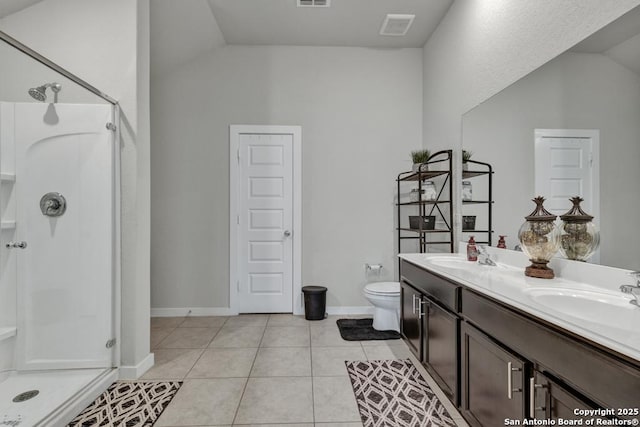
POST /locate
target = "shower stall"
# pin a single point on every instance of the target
(59, 240)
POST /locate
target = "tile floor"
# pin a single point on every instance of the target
(263, 370)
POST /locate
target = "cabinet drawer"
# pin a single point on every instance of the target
(603, 378)
(444, 291)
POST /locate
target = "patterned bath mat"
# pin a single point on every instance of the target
(393, 393)
(362, 330)
(128, 404)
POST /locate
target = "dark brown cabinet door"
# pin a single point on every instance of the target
(410, 321)
(493, 380)
(441, 348)
(553, 401)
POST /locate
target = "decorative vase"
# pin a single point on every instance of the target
(580, 237)
(540, 240)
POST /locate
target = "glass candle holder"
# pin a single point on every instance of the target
(429, 188)
(579, 237)
(467, 191)
(540, 239)
(415, 195)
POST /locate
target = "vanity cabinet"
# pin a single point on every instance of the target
(429, 305)
(551, 400)
(604, 377)
(493, 380)
(410, 320)
(496, 362)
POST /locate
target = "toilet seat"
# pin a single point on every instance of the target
(383, 288)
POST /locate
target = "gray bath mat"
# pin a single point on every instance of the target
(362, 330)
(393, 393)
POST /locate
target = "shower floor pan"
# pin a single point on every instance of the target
(61, 395)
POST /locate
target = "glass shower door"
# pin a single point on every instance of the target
(64, 235)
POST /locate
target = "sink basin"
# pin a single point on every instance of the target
(592, 306)
(461, 263)
(449, 261)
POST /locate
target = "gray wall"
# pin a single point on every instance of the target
(361, 114)
(573, 91)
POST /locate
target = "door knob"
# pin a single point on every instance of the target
(19, 245)
(287, 233)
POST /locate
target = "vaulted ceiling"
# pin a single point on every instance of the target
(345, 23)
(183, 29)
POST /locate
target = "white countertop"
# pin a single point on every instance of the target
(574, 301)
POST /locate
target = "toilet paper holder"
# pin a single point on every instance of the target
(373, 267)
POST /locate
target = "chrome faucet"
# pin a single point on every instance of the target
(633, 290)
(483, 256)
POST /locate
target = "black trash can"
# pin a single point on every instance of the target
(315, 302)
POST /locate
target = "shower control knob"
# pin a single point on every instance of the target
(19, 245)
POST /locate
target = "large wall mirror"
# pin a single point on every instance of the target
(591, 91)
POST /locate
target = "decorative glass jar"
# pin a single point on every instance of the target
(540, 239)
(430, 193)
(467, 191)
(414, 196)
(580, 237)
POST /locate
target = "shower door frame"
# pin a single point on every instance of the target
(117, 190)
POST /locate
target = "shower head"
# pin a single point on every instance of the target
(39, 93)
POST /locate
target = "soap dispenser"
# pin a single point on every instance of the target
(472, 251)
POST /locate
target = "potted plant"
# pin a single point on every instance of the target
(466, 155)
(419, 157)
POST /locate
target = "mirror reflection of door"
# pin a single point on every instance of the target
(567, 165)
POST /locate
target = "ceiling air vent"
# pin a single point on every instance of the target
(314, 3)
(396, 25)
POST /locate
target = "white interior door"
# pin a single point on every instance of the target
(265, 220)
(65, 273)
(566, 165)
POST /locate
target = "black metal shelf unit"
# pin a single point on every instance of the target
(480, 169)
(437, 168)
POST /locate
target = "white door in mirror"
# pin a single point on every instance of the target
(567, 165)
(564, 168)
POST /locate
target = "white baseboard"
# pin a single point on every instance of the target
(363, 309)
(225, 311)
(192, 311)
(135, 372)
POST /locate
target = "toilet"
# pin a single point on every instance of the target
(385, 298)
